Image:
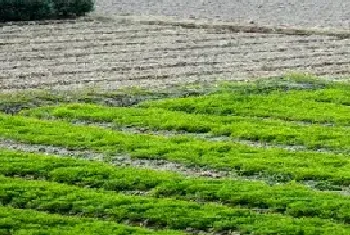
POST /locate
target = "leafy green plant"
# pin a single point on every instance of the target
(14, 10)
(248, 128)
(249, 160)
(31, 222)
(76, 7)
(161, 213)
(98, 194)
(296, 105)
(24, 10)
(289, 198)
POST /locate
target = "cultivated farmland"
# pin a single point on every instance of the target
(113, 52)
(258, 157)
(133, 125)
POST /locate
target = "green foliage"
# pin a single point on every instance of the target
(266, 111)
(161, 213)
(31, 222)
(24, 10)
(191, 151)
(292, 198)
(264, 130)
(14, 10)
(77, 7)
(286, 104)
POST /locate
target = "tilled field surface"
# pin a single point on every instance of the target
(273, 12)
(122, 51)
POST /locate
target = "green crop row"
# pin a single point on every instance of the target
(266, 130)
(30, 222)
(81, 172)
(157, 213)
(290, 199)
(233, 156)
(321, 105)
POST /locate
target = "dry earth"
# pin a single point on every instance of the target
(111, 52)
(322, 13)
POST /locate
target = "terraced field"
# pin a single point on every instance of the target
(90, 156)
(259, 157)
(112, 52)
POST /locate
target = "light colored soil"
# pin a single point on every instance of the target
(323, 13)
(113, 52)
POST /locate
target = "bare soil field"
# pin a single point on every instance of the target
(113, 52)
(307, 13)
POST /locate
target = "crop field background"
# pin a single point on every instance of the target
(259, 157)
(150, 117)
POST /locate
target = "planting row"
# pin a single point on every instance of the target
(327, 105)
(290, 199)
(317, 95)
(312, 136)
(31, 222)
(154, 212)
(232, 156)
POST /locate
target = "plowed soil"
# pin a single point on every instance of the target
(112, 52)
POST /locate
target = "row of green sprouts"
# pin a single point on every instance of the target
(286, 123)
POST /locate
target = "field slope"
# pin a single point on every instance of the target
(262, 157)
